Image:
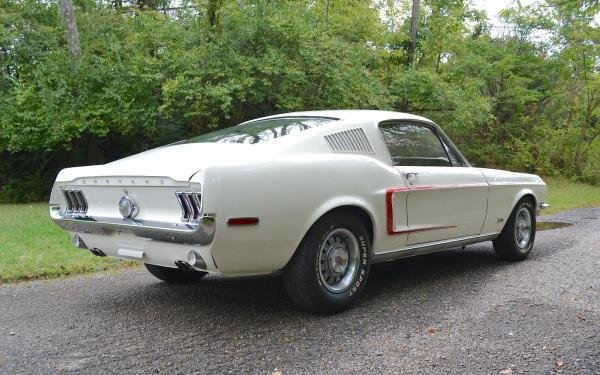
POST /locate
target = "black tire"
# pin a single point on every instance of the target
(507, 245)
(174, 275)
(304, 277)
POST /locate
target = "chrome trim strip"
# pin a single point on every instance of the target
(189, 211)
(181, 206)
(69, 207)
(201, 233)
(81, 200)
(76, 202)
(195, 214)
(198, 199)
(438, 130)
(431, 247)
(190, 203)
(85, 203)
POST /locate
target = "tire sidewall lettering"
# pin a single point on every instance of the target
(363, 262)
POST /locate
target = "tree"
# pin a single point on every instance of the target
(149, 76)
(71, 32)
(414, 24)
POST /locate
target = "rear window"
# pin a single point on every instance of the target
(261, 130)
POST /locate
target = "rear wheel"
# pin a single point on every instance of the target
(517, 238)
(174, 275)
(331, 266)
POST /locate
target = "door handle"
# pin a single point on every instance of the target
(409, 175)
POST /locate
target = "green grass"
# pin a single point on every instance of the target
(564, 195)
(32, 247)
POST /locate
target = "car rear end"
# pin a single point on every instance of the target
(155, 220)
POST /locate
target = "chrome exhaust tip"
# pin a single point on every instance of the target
(196, 261)
(78, 242)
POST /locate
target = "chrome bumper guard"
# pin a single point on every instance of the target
(201, 232)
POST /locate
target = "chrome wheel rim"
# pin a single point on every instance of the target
(338, 260)
(523, 228)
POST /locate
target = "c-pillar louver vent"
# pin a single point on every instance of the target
(353, 140)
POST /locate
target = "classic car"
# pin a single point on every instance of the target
(318, 196)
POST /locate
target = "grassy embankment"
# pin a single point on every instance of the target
(564, 195)
(31, 246)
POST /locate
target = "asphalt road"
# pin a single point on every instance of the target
(460, 311)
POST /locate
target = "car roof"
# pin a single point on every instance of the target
(350, 115)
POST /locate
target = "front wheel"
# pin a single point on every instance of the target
(331, 265)
(174, 275)
(516, 239)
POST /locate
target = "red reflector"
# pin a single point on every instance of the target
(242, 221)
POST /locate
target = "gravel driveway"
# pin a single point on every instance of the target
(460, 311)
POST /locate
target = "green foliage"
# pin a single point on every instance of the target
(525, 99)
(267, 60)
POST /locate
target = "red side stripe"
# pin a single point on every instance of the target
(389, 194)
(457, 186)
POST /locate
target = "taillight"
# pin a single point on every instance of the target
(76, 202)
(191, 205)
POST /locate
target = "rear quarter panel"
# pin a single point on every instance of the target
(288, 195)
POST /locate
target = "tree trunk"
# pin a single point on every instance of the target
(68, 13)
(146, 4)
(414, 23)
(212, 12)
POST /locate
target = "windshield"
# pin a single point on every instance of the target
(262, 130)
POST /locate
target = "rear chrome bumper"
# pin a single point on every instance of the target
(201, 233)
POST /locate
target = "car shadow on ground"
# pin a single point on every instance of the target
(431, 276)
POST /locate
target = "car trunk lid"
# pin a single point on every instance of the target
(178, 162)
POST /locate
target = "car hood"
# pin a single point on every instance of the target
(178, 162)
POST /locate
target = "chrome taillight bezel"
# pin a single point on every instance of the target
(76, 204)
(190, 203)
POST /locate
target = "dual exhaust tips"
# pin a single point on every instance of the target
(194, 260)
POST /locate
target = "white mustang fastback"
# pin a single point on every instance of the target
(319, 196)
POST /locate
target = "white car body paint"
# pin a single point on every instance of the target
(288, 183)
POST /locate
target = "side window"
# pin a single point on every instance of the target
(414, 145)
(456, 160)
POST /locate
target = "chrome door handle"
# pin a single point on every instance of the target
(409, 175)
